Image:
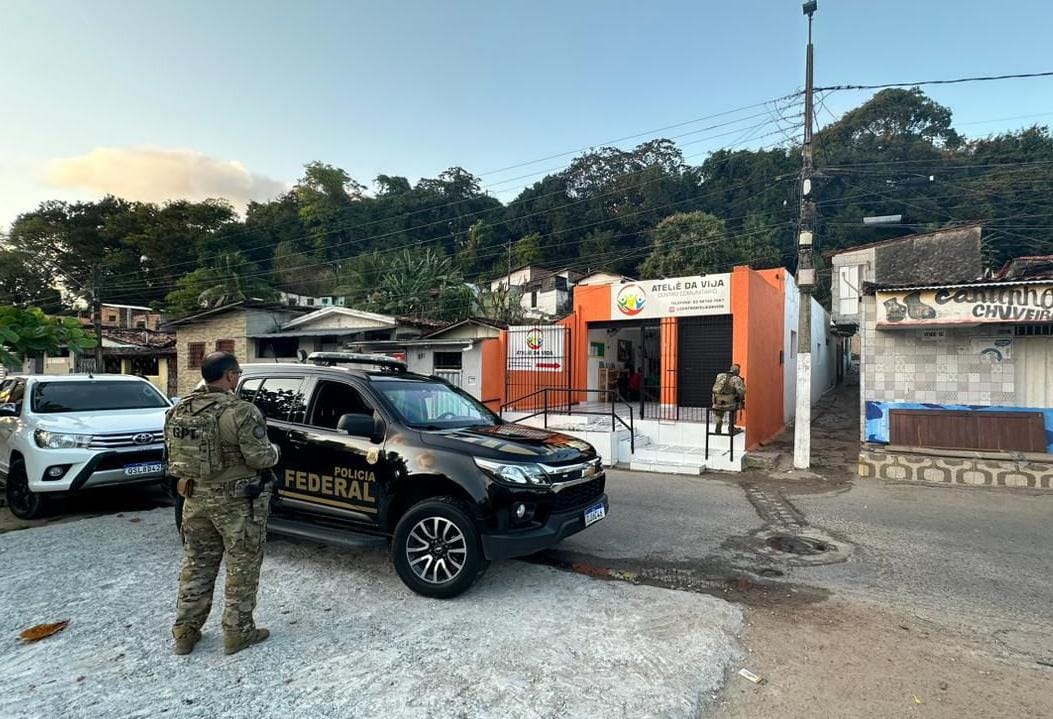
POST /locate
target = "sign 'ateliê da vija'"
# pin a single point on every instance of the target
(966, 305)
(673, 297)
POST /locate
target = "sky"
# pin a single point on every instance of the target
(166, 99)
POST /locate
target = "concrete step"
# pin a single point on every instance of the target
(670, 454)
(691, 469)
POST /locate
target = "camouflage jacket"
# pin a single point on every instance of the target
(734, 394)
(242, 435)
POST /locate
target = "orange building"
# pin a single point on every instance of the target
(647, 353)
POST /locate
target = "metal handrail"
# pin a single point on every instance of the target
(732, 429)
(615, 417)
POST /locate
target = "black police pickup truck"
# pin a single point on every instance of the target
(372, 454)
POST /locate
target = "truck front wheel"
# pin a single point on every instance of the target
(436, 549)
(23, 501)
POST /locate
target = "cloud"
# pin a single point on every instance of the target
(156, 174)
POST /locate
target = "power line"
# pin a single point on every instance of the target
(984, 78)
(402, 231)
(607, 257)
(497, 251)
(741, 141)
(494, 252)
(142, 283)
(639, 135)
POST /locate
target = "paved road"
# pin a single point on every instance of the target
(968, 555)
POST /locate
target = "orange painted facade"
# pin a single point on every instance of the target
(758, 314)
(757, 304)
(492, 382)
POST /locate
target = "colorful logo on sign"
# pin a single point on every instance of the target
(535, 340)
(631, 300)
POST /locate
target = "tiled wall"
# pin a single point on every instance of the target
(900, 366)
(878, 464)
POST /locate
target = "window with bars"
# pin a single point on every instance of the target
(448, 361)
(225, 346)
(1033, 330)
(195, 352)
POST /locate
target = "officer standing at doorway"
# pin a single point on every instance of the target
(217, 448)
(729, 395)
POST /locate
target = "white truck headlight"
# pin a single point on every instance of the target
(514, 472)
(58, 440)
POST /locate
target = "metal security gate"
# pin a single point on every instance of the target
(538, 367)
(704, 347)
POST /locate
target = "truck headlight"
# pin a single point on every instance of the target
(514, 472)
(58, 440)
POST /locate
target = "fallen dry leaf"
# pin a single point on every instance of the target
(42, 631)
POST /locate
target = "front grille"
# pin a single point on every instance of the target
(123, 459)
(577, 472)
(125, 439)
(579, 495)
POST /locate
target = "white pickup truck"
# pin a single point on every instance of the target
(68, 433)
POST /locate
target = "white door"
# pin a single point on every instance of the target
(1033, 371)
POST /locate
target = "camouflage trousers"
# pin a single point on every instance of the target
(723, 404)
(214, 526)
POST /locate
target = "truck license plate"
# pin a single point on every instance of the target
(594, 514)
(135, 470)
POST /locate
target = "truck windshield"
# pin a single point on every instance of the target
(94, 396)
(432, 405)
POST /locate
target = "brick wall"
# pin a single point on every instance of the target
(229, 326)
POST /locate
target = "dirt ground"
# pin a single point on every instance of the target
(852, 660)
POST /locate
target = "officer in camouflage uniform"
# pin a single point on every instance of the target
(729, 395)
(217, 446)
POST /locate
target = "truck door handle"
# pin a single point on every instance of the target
(298, 438)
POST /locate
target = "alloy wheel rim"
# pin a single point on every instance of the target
(436, 550)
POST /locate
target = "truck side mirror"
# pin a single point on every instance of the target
(358, 425)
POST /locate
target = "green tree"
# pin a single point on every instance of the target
(176, 237)
(503, 304)
(419, 284)
(29, 333)
(479, 250)
(24, 282)
(80, 244)
(231, 279)
(687, 243)
(527, 251)
(758, 244)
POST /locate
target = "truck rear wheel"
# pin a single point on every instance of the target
(436, 549)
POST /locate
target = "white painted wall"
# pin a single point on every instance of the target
(824, 351)
(472, 363)
(789, 346)
(422, 361)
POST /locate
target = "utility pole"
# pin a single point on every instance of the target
(802, 434)
(96, 317)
